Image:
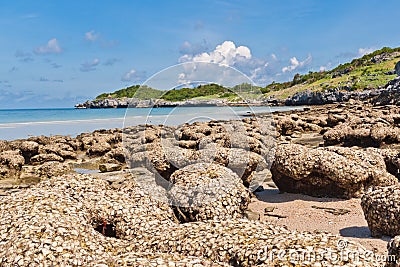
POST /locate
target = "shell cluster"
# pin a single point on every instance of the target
(329, 171)
(82, 220)
(381, 206)
(245, 147)
(207, 191)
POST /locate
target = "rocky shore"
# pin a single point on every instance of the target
(159, 103)
(191, 195)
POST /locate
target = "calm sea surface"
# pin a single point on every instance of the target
(22, 123)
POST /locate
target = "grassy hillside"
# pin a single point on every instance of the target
(367, 72)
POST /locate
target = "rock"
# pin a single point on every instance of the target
(381, 207)
(42, 158)
(61, 149)
(4, 145)
(10, 164)
(98, 149)
(251, 215)
(393, 252)
(28, 150)
(207, 191)
(328, 171)
(397, 68)
(242, 146)
(79, 220)
(367, 127)
(116, 155)
(107, 167)
(53, 168)
(391, 94)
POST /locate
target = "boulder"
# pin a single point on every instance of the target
(328, 171)
(98, 149)
(397, 68)
(53, 168)
(11, 163)
(115, 155)
(61, 149)
(42, 158)
(29, 149)
(207, 191)
(109, 167)
(381, 206)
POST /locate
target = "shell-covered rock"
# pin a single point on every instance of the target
(328, 171)
(244, 146)
(381, 206)
(79, 220)
(52, 168)
(393, 252)
(207, 191)
(11, 163)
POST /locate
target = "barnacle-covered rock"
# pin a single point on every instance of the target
(328, 171)
(207, 191)
(80, 220)
(381, 206)
(52, 168)
(11, 163)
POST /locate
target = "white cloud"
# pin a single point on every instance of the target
(365, 51)
(132, 76)
(225, 54)
(52, 47)
(90, 65)
(296, 64)
(229, 54)
(274, 57)
(91, 36)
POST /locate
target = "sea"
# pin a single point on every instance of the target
(23, 123)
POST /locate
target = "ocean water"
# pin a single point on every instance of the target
(22, 123)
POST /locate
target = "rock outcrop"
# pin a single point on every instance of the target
(328, 171)
(336, 95)
(389, 96)
(69, 220)
(243, 146)
(381, 206)
(364, 126)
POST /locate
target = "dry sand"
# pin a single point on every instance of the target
(299, 214)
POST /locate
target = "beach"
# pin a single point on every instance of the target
(211, 181)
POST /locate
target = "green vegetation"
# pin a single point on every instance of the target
(362, 73)
(145, 92)
(201, 92)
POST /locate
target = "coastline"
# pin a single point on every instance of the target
(100, 119)
(45, 158)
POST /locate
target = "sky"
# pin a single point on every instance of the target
(59, 53)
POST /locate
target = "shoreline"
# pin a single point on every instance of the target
(74, 127)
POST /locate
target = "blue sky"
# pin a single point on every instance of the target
(58, 53)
